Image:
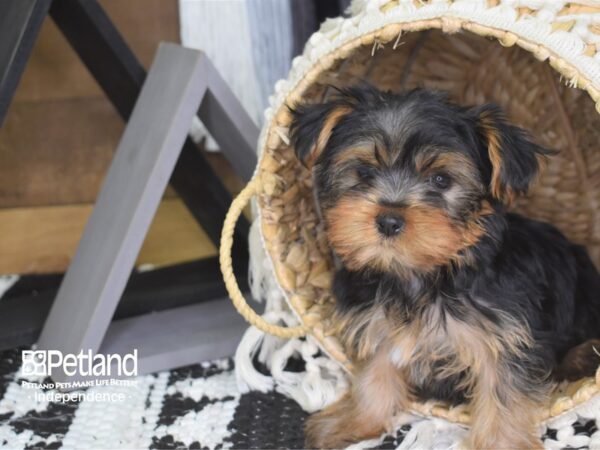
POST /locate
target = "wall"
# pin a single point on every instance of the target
(57, 143)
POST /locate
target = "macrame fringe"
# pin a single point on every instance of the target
(321, 382)
(434, 433)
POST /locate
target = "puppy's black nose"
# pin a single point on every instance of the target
(389, 224)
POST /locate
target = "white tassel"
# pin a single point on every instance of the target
(323, 380)
(318, 386)
(257, 267)
(247, 377)
(435, 434)
(364, 445)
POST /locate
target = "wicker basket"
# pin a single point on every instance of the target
(477, 50)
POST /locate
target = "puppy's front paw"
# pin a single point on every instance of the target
(324, 431)
(330, 429)
(508, 443)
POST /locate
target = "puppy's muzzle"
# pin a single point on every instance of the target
(389, 225)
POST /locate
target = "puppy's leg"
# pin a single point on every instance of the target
(504, 408)
(365, 412)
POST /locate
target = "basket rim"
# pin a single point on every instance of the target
(277, 117)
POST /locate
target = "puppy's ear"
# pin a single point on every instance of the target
(312, 126)
(514, 158)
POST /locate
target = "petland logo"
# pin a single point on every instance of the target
(43, 362)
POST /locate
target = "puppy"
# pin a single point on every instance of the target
(441, 293)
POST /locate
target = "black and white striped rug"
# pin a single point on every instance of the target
(197, 406)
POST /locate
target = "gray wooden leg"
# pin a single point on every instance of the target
(178, 336)
(136, 180)
(20, 23)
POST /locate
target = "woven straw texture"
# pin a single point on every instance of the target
(539, 60)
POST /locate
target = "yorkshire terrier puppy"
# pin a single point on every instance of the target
(441, 293)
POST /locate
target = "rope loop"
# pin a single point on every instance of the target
(237, 206)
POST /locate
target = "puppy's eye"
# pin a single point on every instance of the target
(440, 181)
(366, 173)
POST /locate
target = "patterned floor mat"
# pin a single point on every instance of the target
(198, 406)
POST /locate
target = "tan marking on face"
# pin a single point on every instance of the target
(363, 153)
(454, 163)
(353, 234)
(429, 238)
(383, 156)
(430, 161)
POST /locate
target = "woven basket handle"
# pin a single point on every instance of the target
(237, 206)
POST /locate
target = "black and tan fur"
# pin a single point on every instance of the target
(442, 294)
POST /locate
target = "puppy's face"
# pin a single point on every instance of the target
(404, 182)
